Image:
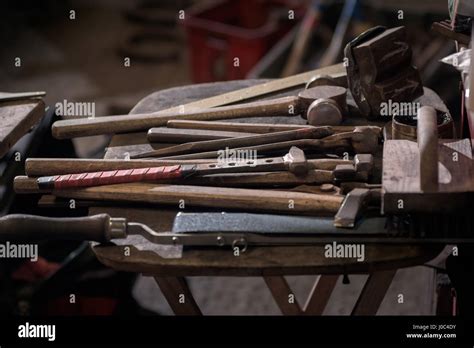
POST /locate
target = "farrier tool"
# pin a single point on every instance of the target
(361, 140)
(225, 229)
(379, 69)
(251, 140)
(294, 161)
(289, 106)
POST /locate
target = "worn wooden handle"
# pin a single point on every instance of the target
(68, 181)
(218, 197)
(179, 136)
(234, 126)
(254, 127)
(253, 140)
(427, 135)
(29, 228)
(81, 127)
(201, 196)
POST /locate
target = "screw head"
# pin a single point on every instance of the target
(220, 241)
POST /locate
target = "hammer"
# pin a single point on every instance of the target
(251, 140)
(332, 108)
(361, 140)
(294, 161)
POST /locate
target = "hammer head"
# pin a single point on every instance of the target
(364, 162)
(366, 142)
(296, 161)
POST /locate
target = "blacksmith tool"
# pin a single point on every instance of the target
(57, 166)
(353, 205)
(269, 229)
(240, 230)
(277, 201)
(379, 69)
(267, 88)
(259, 128)
(245, 94)
(289, 106)
(4, 96)
(294, 161)
(361, 140)
(251, 140)
(179, 135)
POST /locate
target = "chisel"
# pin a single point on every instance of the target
(240, 230)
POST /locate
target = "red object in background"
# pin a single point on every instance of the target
(31, 271)
(224, 31)
(84, 305)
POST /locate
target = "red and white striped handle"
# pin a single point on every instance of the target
(59, 182)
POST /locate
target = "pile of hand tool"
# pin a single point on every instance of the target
(326, 177)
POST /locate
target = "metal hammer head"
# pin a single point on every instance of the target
(364, 162)
(358, 170)
(296, 161)
(367, 142)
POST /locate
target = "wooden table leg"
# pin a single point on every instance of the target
(281, 292)
(317, 299)
(320, 294)
(373, 292)
(178, 295)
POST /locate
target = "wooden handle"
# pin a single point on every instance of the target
(263, 179)
(253, 127)
(320, 173)
(68, 181)
(427, 134)
(234, 126)
(254, 140)
(201, 196)
(130, 123)
(334, 143)
(179, 136)
(29, 228)
(60, 166)
(213, 197)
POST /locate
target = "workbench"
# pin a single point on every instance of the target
(271, 263)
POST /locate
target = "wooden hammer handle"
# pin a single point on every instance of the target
(179, 136)
(199, 196)
(81, 127)
(253, 140)
(213, 197)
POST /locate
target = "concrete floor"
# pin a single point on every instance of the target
(78, 61)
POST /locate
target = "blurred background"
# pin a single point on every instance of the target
(77, 50)
(114, 53)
